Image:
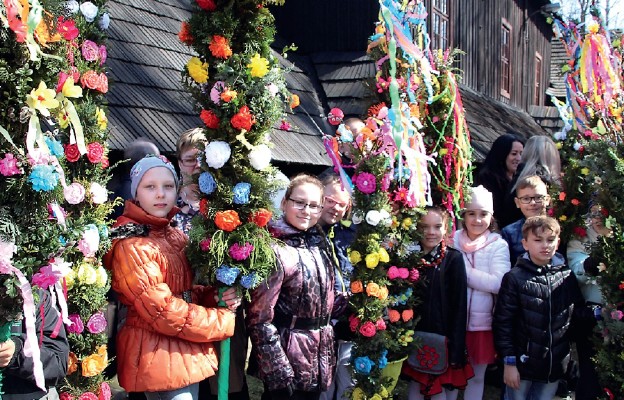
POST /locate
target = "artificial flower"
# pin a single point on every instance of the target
(102, 120)
(260, 157)
(285, 125)
(105, 391)
(241, 193)
(45, 277)
(90, 50)
(372, 260)
(272, 89)
(88, 396)
(8, 165)
(365, 182)
(407, 314)
(354, 322)
(89, 11)
(363, 365)
(185, 35)
(74, 193)
(227, 275)
(198, 70)
(355, 257)
(95, 152)
(104, 21)
(62, 118)
(101, 277)
(215, 91)
(585, 171)
(207, 183)
(208, 5)
(368, 329)
(228, 95)
(103, 54)
(72, 154)
(294, 101)
(579, 231)
(240, 253)
(72, 363)
(393, 272)
(227, 220)
(219, 47)
(358, 394)
(76, 327)
(357, 287)
(86, 274)
(99, 194)
(204, 244)
(243, 119)
(72, 6)
(102, 84)
(55, 147)
(383, 293)
(249, 281)
(67, 28)
(617, 315)
(42, 99)
(383, 255)
(43, 178)
(393, 315)
(90, 80)
(217, 154)
(261, 217)
(373, 217)
(210, 119)
(97, 323)
(94, 364)
(357, 218)
(372, 289)
(258, 66)
(380, 324)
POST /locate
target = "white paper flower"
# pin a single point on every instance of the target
(99, 194)
(89, 11)
(217, 154)
(576, 146)
(90, 241)
(373, 217)
(72, 6)
(7, 249)
(386, 218)
(357, 218)
(273, 89)
(413, 248)
(260, 157)
(104, 21)
(74, 193)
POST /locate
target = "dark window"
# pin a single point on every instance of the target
(506, 59)
(537, 98)
(440, 24)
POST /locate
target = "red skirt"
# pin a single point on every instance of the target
(431, 385)
(480, 346)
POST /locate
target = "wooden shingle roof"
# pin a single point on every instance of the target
(147, 98)
(558, 58)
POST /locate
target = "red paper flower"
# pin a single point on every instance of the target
(210, 119)
(72, 154)
(90, 79)
(261, 217)
(208, 5)
(353, 322)
(102, 83)
(67, 28)
(368, 329)
(219, 47)
(95, 151)
(575, 202)
(243, 119)
(579, 231)
(394, 315)
(185, 34)
(88, 396)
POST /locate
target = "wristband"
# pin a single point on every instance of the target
(509, 360)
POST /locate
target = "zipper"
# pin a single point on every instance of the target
(550, 339)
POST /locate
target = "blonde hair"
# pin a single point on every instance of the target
(189, 139)
(540, 157)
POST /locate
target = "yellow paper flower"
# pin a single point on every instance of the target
(259, 66)
(563, 218)
(94, 364)
(87, 274)
(355, 257)
(372, 260)
(407, 223)
(62, 118)
(593, 27)
(357, 394)
(559, 145)
(383, 293)
(372, 289)
(102, 277)
(102, 119)
(70, 279)
(384, 392)
(585, 171)
(376, 396)
(197, 70)
(71, 90)
(42, 99)
(383, 255)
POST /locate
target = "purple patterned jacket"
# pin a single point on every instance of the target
(288, 319)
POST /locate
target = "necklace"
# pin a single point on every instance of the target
(436, 258)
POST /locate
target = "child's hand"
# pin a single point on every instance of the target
(6, 352)
(231, 298)
(511, 377)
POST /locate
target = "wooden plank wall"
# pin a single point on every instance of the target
(477, 31)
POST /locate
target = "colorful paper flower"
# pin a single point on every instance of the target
(355, 257)
(241, 193)
(243, 119)
(261, 217)
(90, 50)
(102, 120)
(185, 35)
(368, 329)
(294, 101)
(215, 91)
(204, 245)
(104, 21)
(363, 365)
(76, 326)
(372, 289)
(43, 178)
(8, 165)
(97, 323)
(198, 70)
(240, 253)
(87, 275)
(42, 99)
(210, 119)
(227, 220)
(89, 11)
(220, 47)
(366, 183)
(258, 66)
(249, 281)
(217, 154)
(207, 183)
(208, 5)
(260, 157)
(227, 275)
(67, 28)
(99, 194)
(357, 287)
(95, 152)
(72, 154)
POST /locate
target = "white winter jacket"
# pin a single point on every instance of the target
(485, 269)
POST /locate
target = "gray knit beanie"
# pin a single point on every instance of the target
(146, 163)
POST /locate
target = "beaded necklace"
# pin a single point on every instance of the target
(436, 258)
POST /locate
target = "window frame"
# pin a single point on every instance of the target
(506, 59)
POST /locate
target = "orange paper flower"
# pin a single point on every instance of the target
(228, 95)
(227, 220)
(220, 48)
(394, 315)
(356, 287)
(203, 207)
(185, 34)
(261, 217)
(383, 293)
(406, 315)
(575, 202)
(294, 101)
(72, 363)
(243, 119)
(562, 196)
(94, 364)
(372, 289)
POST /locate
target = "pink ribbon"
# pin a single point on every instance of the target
(31, 348)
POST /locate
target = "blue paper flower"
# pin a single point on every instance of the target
(55, 147)
(43, 177)
(383, 360)
(249, 281)
(241, 193)
(207, 184)
(363, 365)
(405, 172)
(227, 274)
(402, 298)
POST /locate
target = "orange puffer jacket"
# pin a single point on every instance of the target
(165, 341)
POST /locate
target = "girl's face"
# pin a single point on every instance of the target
(513, 158)
(476, 222)
(156, 192)
(432, 226)
(302, 209)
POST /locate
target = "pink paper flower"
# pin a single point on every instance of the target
(617, 314)
(97, 323)
(77, 326)
(66, 396)
(240, 253)
(74, 193)
(215, 92)
(353, 322)
(90, 50)
(385, 182)
(366, 183)
(45, 277)
(8, 165)
(414, 275)
(204, 245)
(393, 272)
(105, 392)
(103, 54)
(403, 273)
(88, 396)
(285, 125)
(380, 325)
(368, 329)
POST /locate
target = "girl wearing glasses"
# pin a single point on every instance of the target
(288, 318)
(188, 200)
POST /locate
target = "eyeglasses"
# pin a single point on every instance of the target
(189, 162)
(300, 205)
(536, 199)
(331, 202)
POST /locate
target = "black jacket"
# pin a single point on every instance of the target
(443, 309)
(533, 317)
(19, 379)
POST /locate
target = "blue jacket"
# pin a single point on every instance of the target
(513, 236)
(341, 236)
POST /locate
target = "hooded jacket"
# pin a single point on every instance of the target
(533, 317)
(165, 341)
(288, 319)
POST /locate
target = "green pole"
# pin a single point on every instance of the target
(5, 334)
(223, 381)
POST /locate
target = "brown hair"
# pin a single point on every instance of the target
(300, 180)
(189, 139)
(539, 224)
(531, 182)
(446, 217)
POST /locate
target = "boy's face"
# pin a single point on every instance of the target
(532, 201)
(541, 246)
(157, 193)
(336, 204)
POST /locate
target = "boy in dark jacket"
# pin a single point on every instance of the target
(533, 314)
(19, 378)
